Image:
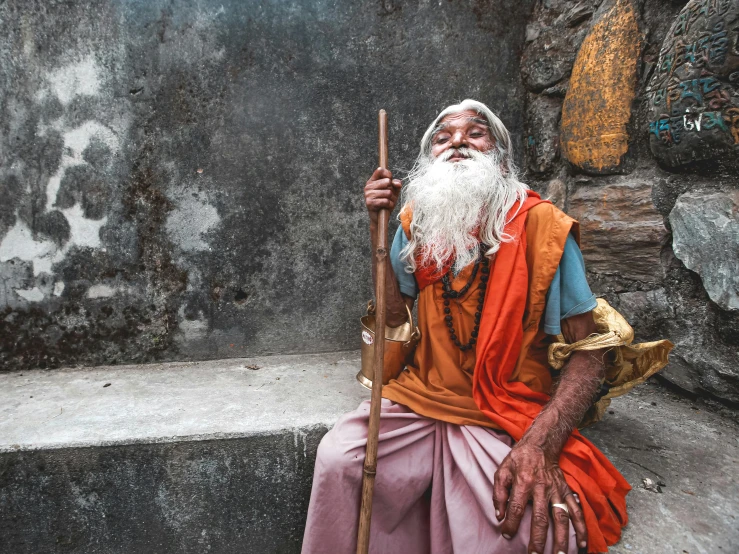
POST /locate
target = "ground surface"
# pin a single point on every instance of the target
(651, 433)
(656, 434)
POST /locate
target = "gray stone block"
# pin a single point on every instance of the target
(705, 237)
(174, 458)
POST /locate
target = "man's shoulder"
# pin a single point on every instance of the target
(547, 229)
(547, 214)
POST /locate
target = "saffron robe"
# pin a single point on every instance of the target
(439, 382)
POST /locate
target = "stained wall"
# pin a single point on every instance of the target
(182, 179)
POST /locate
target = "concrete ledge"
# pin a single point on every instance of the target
(171, 458)
(175, 401)
(217, 457)
(227, 496)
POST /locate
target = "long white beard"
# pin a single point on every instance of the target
(453, 200)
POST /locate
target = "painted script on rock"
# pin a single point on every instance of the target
(693, 94)
(597, 107)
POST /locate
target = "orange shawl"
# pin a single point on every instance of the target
(513, 406)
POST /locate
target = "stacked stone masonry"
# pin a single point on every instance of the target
(647, 161)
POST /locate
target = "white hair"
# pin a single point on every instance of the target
(495, 125)
(459, 205)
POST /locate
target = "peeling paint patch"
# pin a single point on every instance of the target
(19, 243)
(75, 142)
(191, 329)
(190, 221)
(81, 78)
(101, 291)
(32, 295)
(83, 231)
(58, 288)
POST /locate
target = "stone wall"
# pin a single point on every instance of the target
(632, 126)
(182, 179)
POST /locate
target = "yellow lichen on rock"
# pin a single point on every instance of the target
(602, 87)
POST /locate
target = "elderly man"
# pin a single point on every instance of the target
(478, 448)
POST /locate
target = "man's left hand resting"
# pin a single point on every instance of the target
(531, 472)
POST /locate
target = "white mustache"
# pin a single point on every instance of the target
(463, 150)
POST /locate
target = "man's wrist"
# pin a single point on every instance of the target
(546, 434)
(536, 439)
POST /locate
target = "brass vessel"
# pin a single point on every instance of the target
(400, 344)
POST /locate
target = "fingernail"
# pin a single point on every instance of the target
(561, 552)
(507, 537)
(583, 544)
(497, 514)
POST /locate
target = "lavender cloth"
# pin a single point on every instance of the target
(414, 452)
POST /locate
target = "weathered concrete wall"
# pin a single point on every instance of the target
(655, 191)
(182, 179)
(225, 496)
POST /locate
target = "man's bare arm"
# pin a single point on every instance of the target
(531, 470)
(381, 192)
(573, 394)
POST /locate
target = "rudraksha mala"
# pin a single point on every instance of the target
(450, 293)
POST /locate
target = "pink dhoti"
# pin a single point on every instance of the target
(433, 490)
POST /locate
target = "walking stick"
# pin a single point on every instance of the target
(370, 459)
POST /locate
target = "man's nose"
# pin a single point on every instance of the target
(458, 139)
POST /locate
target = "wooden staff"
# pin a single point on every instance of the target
(370, 459)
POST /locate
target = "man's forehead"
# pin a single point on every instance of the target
(461, 118)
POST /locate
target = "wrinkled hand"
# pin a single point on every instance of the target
(527, 473)
(381, 192)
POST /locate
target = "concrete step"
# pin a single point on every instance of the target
(168, 458)
(218, 456)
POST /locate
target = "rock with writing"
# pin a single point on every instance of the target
(705, 236)
(693, 94)
(597, 107)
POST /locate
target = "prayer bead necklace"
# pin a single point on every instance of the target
(449, 293)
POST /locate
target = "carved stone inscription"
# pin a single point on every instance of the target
(694, 92)
(602, 87)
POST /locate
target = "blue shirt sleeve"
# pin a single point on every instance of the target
(569, 294)
(406, 280)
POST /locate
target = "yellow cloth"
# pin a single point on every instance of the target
(627, 364)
